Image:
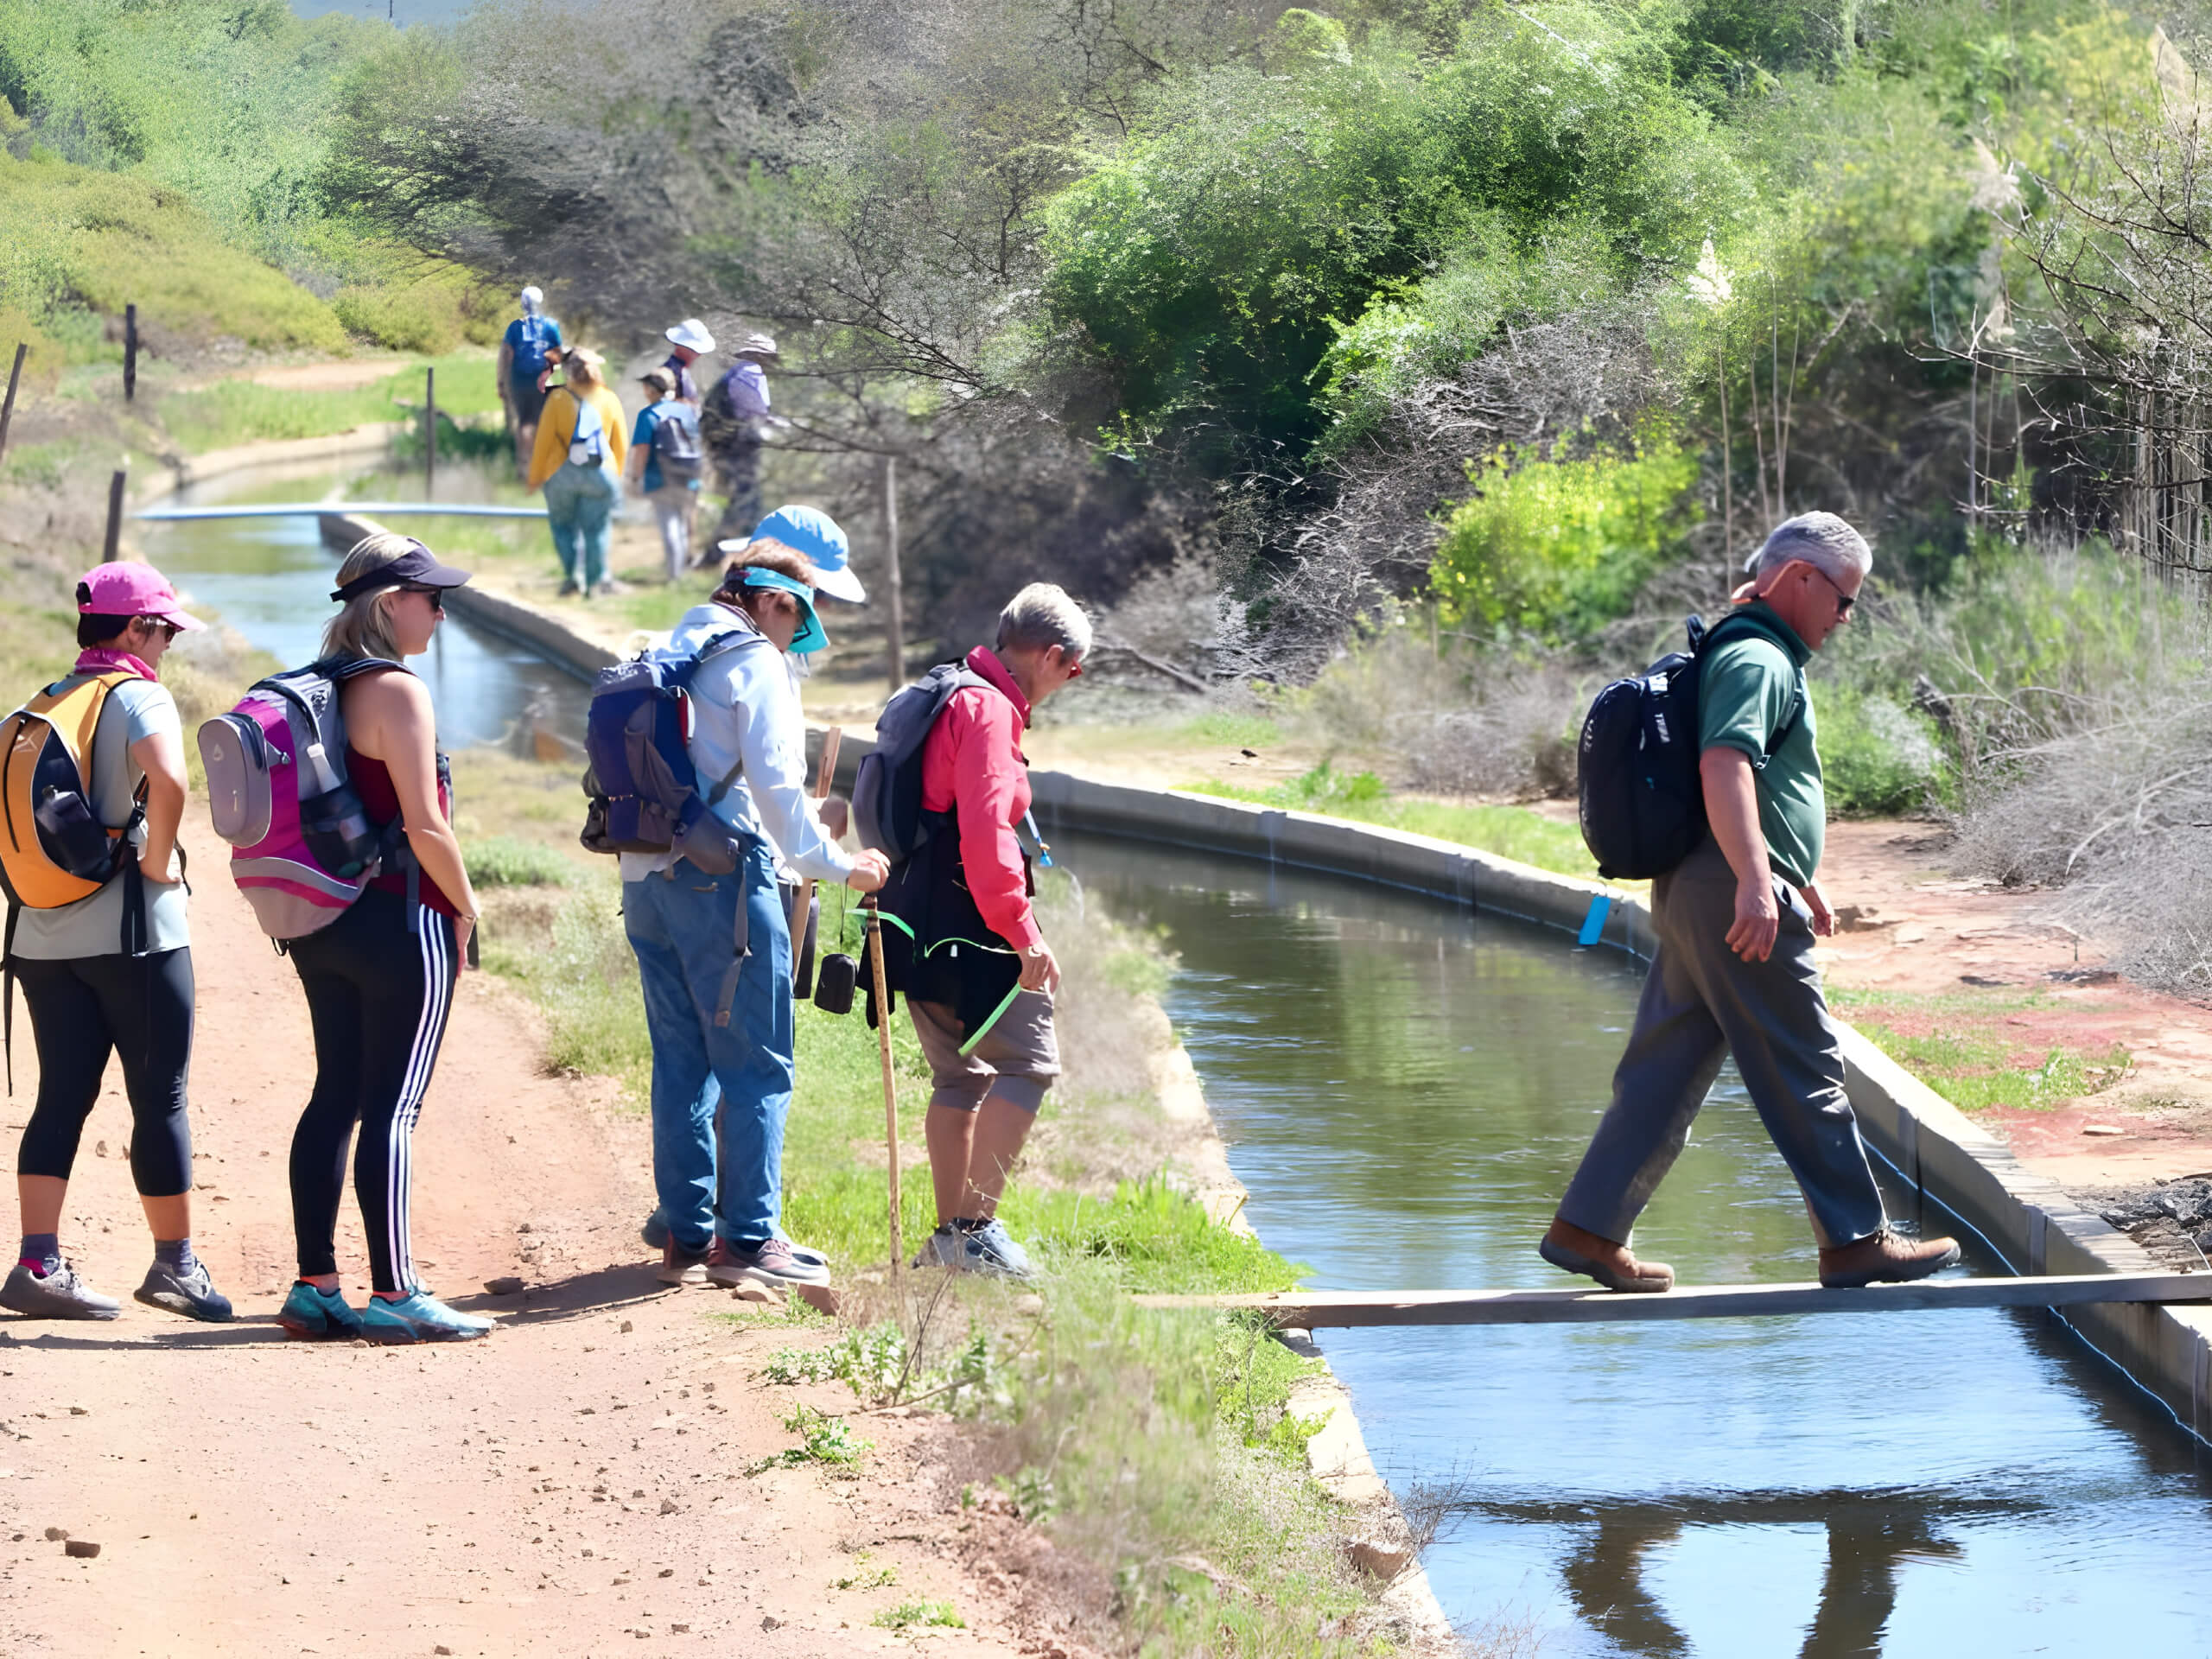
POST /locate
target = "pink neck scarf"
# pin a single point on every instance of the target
(101, 660)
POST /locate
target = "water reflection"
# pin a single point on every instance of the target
(1406, 1088)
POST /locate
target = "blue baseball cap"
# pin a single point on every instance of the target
(814, 533)
(809, 638)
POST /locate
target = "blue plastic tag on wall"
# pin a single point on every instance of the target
(1593, 925)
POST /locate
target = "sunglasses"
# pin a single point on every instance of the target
(437, 596)
(1843, 602)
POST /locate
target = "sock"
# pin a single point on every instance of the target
(968, 1224)
(175, 1255)
(42, 1253)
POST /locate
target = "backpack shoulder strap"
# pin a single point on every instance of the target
(1746, 621)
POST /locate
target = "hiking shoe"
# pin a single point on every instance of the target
(57, 1295)
(681, 1266)
(656, 1235)
(567, 589)
(419, 1317)
(772, 1261)
(942, 1249)
(1888, 1257)
(991, 1249)
(193, 1294)
(311, 1313)
(1574, 1249)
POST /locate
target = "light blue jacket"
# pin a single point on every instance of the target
(744, 708)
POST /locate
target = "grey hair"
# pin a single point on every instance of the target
(1042, 615)
(1821, 540)
(364, 628)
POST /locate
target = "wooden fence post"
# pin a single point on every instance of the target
(8, 408)
(130, 353)
(894, 599)
(112, 550)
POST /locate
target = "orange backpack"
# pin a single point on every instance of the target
(54, 848)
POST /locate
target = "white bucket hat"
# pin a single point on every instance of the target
(755, 345)
(691, 334)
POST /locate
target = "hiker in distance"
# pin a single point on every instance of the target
(1733, 973)
(102, 945)
(706, 919)
(526, 351)
(978, 976)
(688, 341)
(734, 422)
(665, 463)
(581, 441)
(380, 977)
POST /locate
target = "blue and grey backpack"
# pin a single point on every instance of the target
(640, 776)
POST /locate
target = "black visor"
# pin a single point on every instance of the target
(416, 567)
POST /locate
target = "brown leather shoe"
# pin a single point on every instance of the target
(1886, 1256)
(1575, 1250)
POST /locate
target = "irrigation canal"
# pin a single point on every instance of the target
(1405, 1088)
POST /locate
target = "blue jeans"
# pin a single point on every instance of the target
(720, 1093)
(578, 501)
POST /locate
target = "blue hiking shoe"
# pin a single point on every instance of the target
(312, 1314)
(991, 1249)
(419, 1317)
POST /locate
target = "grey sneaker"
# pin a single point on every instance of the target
(193, 1294)
(946, 1247)
(991, 1249)
(656, 1235)
(773, 1261)
(57, 1295)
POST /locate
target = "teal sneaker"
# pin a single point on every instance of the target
(419, 1317)
(312, 1314)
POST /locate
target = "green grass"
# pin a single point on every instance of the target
(508, 861)
(1513, 832)
(1135, 1436)
(1971, 1064)
(238, 411)
(922, 1614)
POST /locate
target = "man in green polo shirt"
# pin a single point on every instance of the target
(1734, 971)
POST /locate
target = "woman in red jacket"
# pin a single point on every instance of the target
(975, 785)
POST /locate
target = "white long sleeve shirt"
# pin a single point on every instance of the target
(744, 709)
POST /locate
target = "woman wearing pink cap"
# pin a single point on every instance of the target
(113, 973)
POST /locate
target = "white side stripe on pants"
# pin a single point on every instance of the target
(422, 1061)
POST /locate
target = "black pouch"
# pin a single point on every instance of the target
(835, 981)
(72, 837)
(335, 827)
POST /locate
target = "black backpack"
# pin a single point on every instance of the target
(1643, 801)
(887, 786)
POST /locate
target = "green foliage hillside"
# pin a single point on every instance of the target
(169, 155)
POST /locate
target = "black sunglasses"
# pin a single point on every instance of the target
(437, 595)
(1843, 602)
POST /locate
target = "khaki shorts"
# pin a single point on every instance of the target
(1017, 1059)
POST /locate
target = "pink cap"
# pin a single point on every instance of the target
(127, 590)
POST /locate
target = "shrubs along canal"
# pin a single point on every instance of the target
(1406, 1088)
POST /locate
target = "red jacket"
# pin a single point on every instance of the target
(972, 761)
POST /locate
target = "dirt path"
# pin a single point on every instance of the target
(572, 1486)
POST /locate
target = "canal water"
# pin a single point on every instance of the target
(270, 580)
(1405, 1090)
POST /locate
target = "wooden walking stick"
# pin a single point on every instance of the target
(890, 1084)
(802, 900)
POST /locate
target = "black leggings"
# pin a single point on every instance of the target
(379, 996)
(138, 1008)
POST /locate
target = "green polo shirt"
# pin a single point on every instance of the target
(1746, 689)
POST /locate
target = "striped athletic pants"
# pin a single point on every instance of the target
(379, 996)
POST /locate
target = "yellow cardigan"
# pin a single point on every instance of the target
(557, 425)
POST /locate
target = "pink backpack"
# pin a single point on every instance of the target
(302, 849)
